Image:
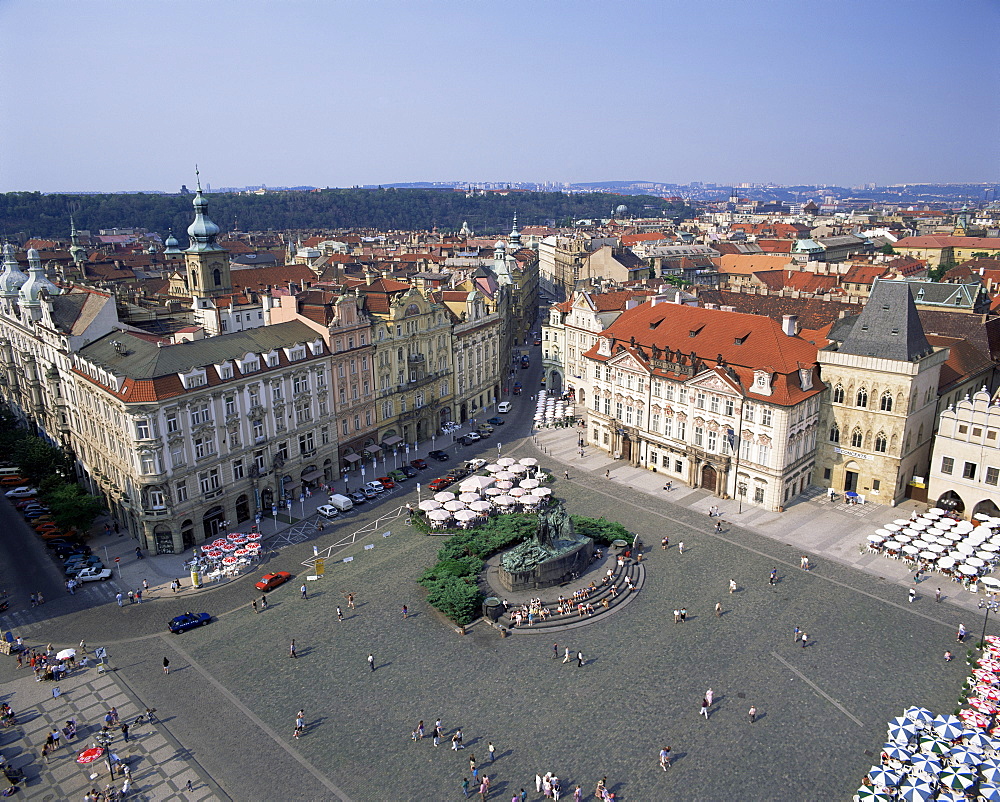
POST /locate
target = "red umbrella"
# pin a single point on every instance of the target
(253, 546)
(241, 552)
(971, 717)
(983, 705)
(229, 560)
(90, 755)
(253, 536)
(218, 544)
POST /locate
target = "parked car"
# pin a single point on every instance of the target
(55, 534)
(387, 482)
(495, 421)
(475, 464)
(182, 623)
(398, 476)
(441, 483)
(63, 548)
(538, 340)
(484, 429)
(419, 464)
(375, 485)
(369, 493)
(504, 406)
(13, 481)
(357, 497)
(328, 511)
(271, 581)
(470, 438)
(21, 492)
(94, 574)
(439, 455)
(75, 568)
(458, 473)
(24, 503)
(408, 472)
(88, 559)
(34, 511)
(44, 527)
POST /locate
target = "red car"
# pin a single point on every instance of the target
(419, 464)
(440, 484)
(271, 581)
(386, 482)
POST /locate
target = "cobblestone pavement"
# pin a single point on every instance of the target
(232, 693)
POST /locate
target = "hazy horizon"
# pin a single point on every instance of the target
(113, 98)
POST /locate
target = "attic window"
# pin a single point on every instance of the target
(894, 332)
(740, 340)
(696, 332)
(864, 328)
(885, 307)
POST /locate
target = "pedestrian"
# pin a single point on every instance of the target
(124, 729)
(718, 526)
(937, 595)
(555, 651)
(473, 768)
(579, 659)
(291, 649)
(523, 796)
(805, 640)
(83, 647)
(45, 752)
(118, 598)
(405, 611)
(166, 665)
(566, 655)
(663, 543)
(371, 662)
(302, 590)
(607, 474)
(578, 794)
(732, 586)
(190, 785)
(350, 601)
(173, 585)
(566, 474)
(680, 547)
(912, 594)
(114, 715)
(254, 605)
(665, 758)
(263, 602)
(704, 708)
(39, 598)
(465, 787)
(300, 725)
(709, 696)
(684, 614)
(677, 616)
(804, 563)
(131, 597)
(145, 585)
(752, 713)
(138, 596)
(796, 634)
(773, 578)
(437, 736)
(420, 729)
(492, 750)
(718, 609)
(340, 615)
(458, 732)
(454, 742)
(948, 656)
(961, 633)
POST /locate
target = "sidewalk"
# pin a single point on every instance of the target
(160, 766)
(820, 528)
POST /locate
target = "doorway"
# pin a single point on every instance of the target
(850, 481)
(709, 478)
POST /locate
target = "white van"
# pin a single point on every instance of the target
(342, 503)
(9, 472)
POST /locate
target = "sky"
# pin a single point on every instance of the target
(111, 96)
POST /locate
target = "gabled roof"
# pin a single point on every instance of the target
(746, 263)
(964, 361)
(934, 241)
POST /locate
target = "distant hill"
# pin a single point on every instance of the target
(37, 215)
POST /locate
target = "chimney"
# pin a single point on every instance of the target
(711, 306)
(728, 308)
(788, 324)
(632, 303)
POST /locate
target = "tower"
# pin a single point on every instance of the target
(76, 250)
(11, 280)
(207, 262)
(514, 240)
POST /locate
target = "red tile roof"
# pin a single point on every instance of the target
(634, 239)
(935, 241)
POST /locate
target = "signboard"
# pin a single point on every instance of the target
(320, 567)
(118, 559)
(348, 559)
(855, 454)
(101, 653)
(369, 546)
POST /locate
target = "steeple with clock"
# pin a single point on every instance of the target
(206, 261)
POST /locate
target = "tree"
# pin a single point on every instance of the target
(71, 507)
(37, 459)
(888, 250)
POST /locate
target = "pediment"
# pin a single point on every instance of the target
(711, 380)
(625, 361)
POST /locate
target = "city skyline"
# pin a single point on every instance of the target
(351, 94)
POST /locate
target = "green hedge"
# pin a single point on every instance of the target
(451, 582)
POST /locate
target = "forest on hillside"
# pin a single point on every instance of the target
(33, 214)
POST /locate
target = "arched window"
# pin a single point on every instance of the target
(880, 442)
(857, 438)
(217, 277)
(862, 398)
(834, 434)
(886, 403)
(838, 394)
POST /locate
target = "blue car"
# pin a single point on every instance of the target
(183, 623)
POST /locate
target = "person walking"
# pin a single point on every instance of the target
(405, 611)
(465, 787)
(340, 615)
(166, 665)
(555, 651)
(912, 594)
(291, 649)
(145, 585)
(680, 547)
(960, 637)
(124, 729)
(937, 595)
(663, 544)
(263, 603)
(579, 659)
(665, 758)
(492, 750)
(718, 526)
(805, 640)
(732, 586)
(371, 661)
(254, 605)
(752, 713)
(796, 634)
(118, 598)
(566, 475)
(709, 696)
(704, 708)
(302, 590)
(718, 609)
(566, 655)
(350, 601)
(773, 578)
(607, 474)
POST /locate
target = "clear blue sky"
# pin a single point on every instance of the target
(130, 95)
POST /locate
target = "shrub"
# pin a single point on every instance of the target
(457, 598)
(602, 531)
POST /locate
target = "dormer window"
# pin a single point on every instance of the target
(761, 382)
(806, 378)
(271, 359)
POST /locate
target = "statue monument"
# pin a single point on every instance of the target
(552, 556)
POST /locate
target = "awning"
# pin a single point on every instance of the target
(373, 449)
(292, 486)
(352, 458)
(391, 441)
(308, 477)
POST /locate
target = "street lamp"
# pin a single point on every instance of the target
(395, 462)
(104, 739)
(991, 607)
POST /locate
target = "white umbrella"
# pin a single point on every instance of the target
(935, 511)
(883, 532)
(892, 527)
(454, 506)
(468, 498)
(975, 562)
(908, 549)
(66, 654)
(947, 561)
(466, 515)
(516, 492)
(504, 501)
(529, 500)
(965, 548)
(927, 555)
(529, 461)
(493, 491)
(940, 548)
(439, 515)
(920, 544)
(541, 492)
(902, 521)
(892, 544)
(530, 483)
(902, 538)
(444, 496)
(427, 505)
(981, 516)
(518, 469)
(506, 476)
(494, 468)
(947, 523)
(506, 462)
(876, 538)
(968, 570)
(480, 506)
(990, 581)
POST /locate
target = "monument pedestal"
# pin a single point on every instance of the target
(554, 571)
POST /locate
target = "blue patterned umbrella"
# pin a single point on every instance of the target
(919, 714)
(962, 756)
(882, 776)
(896, 752)
(976, 740)
(957, 778)
(990, 793)
(902, 729)
(914, 789)
(926, 763)
(990, 772)
(948, 727)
